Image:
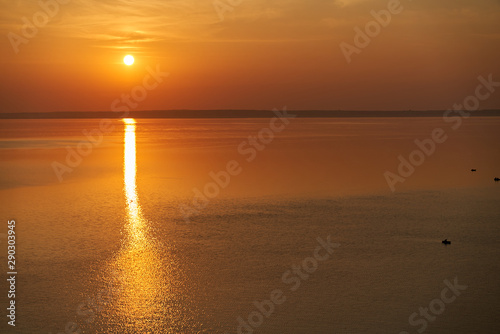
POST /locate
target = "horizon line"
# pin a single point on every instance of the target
(234, 113)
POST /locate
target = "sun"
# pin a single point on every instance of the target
(128, 60)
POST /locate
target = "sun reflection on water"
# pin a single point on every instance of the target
(136, 224)
(144, 278)
(142, 282)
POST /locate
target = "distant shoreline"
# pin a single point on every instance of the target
(233, 114)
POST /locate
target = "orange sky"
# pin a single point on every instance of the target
(261, 55)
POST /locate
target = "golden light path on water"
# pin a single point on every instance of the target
(136, 223)
(143, 289)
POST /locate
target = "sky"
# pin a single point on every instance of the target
(246, 54)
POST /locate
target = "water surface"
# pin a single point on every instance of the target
(109, 249)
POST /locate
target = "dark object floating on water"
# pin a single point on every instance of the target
(446, 242)
(496, 179)
(472, 170)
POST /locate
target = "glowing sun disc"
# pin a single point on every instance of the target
(128, 60)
